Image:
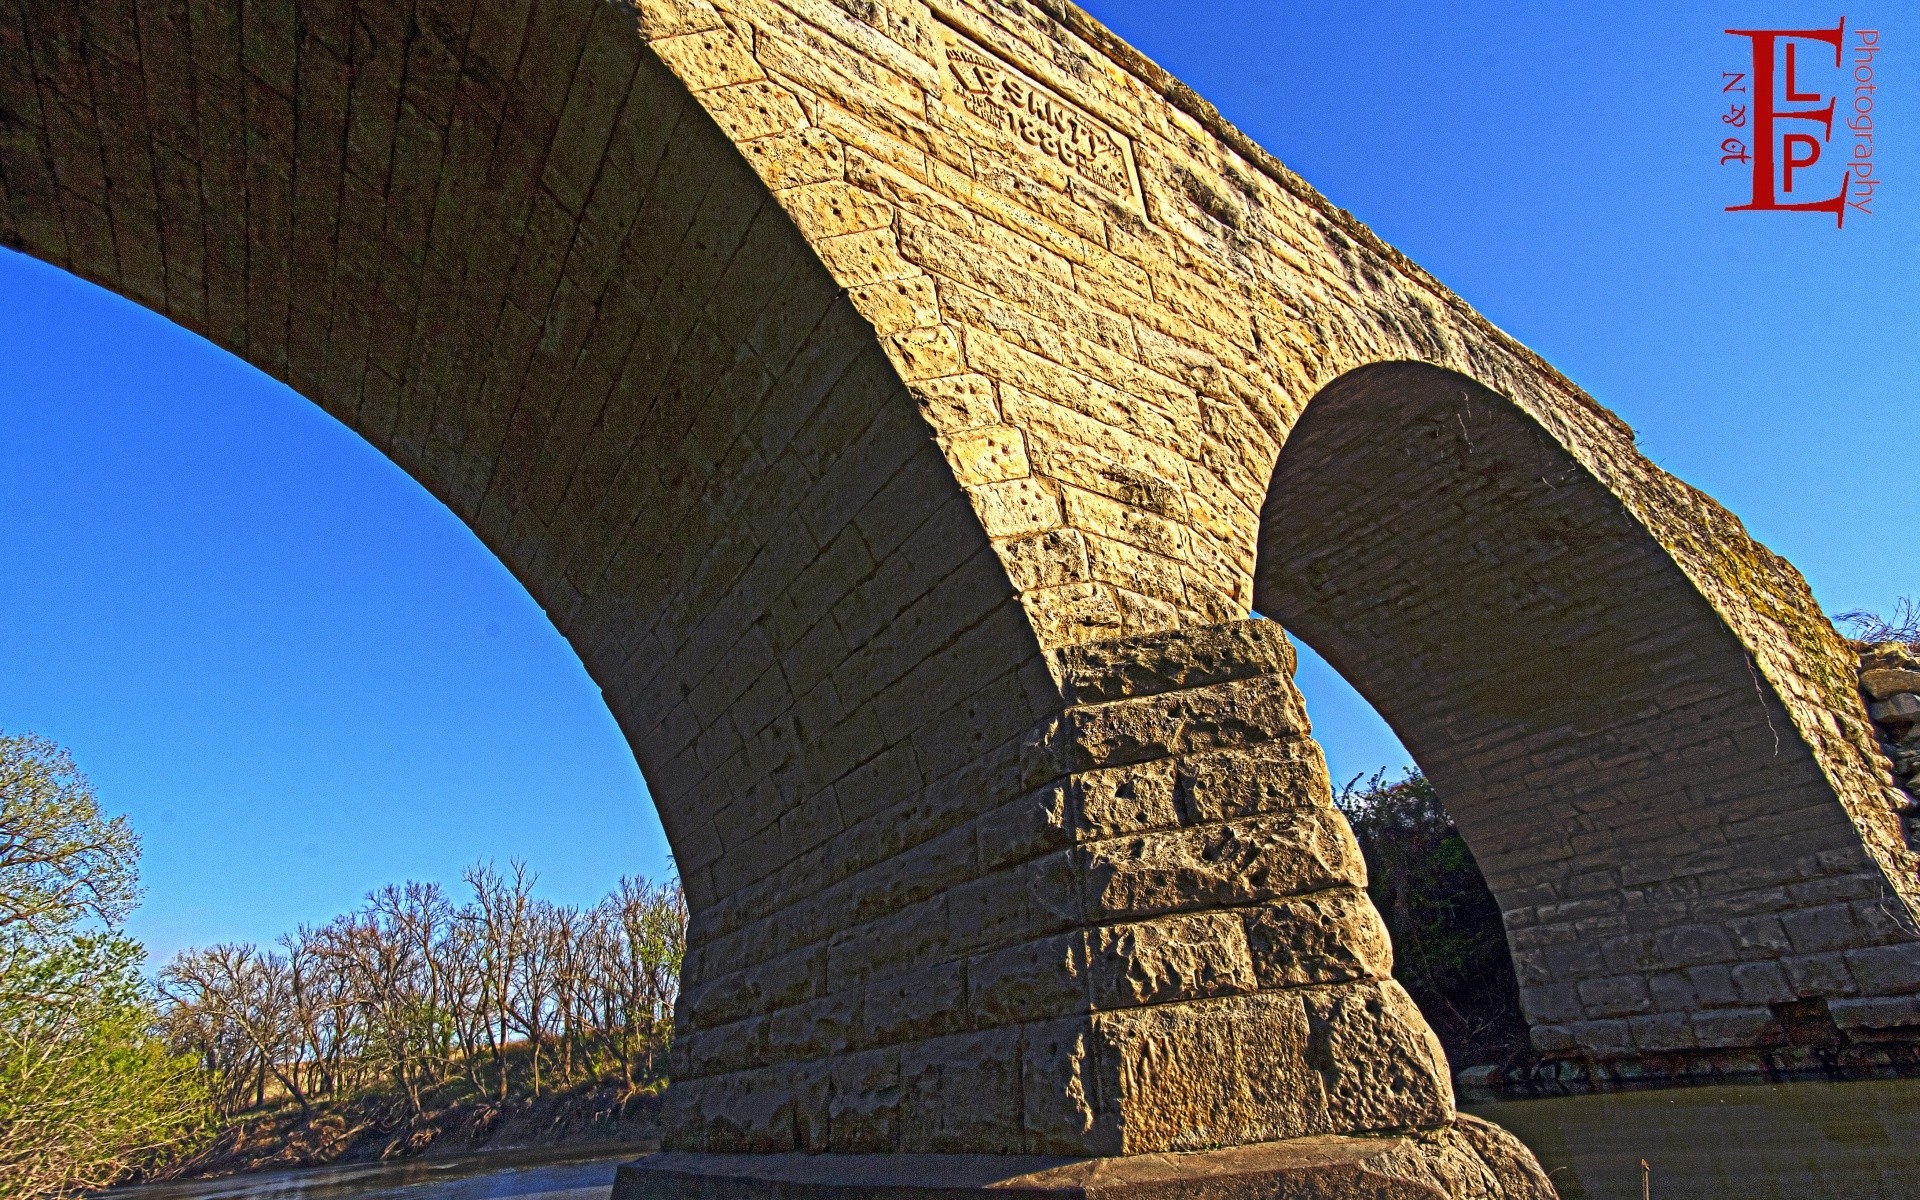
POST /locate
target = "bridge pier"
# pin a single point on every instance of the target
(1467, 1160)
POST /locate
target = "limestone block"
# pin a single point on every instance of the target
(1380, 1064)
(753, 110)
(1876, 1012)
(864, 1107)
(1761, 983)
(815, 1029)
(1604, 1039)
(1763, 934)
(961, 1094)
(1187, 1076)
(1662, 1033)
(1054, 559)
(715, 58)
(1174, 958)
(923, 1004)
(1232, 714)
(791, 159)
(1034, 981)
(749, 1112)
(1687, 945)
(895, 305)
(1819, 975)
(953, 403)
(1241, 862)
(1829, 927)
(1735, 1028)
(989, 455)
(1324, 937)
(1016, 507)
(1122, 800)
(832, 208)
(1884, 683)
(1218, 785)
(1039, 822)
(1144, 666)
(1061, 1091)
(1036, 898)
(1886, 970)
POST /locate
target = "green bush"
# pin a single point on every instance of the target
(1449, 945)
(89, 1091)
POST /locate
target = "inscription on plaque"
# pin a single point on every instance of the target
(1045, 122)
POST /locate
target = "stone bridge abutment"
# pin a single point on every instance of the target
(884, 399)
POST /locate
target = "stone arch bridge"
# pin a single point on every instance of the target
(901, 407)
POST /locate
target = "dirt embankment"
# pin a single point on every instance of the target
(378, 1129)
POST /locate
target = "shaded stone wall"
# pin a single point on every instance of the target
(1164, 944)
(1681, 889)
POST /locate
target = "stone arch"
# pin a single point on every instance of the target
(601, 287)
(513, 253)
(1676, 865)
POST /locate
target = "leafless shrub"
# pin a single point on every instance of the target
(1902, 626)
(412, 990)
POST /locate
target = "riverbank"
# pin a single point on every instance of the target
(590, 1117)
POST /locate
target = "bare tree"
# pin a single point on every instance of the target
(411, 990)
(251, 991)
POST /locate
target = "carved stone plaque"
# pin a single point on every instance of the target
(1007, 100)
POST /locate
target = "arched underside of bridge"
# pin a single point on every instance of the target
(880, 398)
(1678, 877)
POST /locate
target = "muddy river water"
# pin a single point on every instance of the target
(1800, 1141)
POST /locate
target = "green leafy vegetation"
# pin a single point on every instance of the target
(89, 1090)
(1449, 944)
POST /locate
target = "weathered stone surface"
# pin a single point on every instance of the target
(1138, 667)
(1902, 706)
(1329, 936)
(1175, 958)
(1260, 858)
(1884, 683)
(1466, 1160)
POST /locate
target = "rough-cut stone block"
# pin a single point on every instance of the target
(1262, 858)
(1061, 1091)
(1233, 714)
(1030, 982)
(1326, 937)
(960, 1093)
(864, 1106)
(1877, 1012)
(1736, 1027)
(1220, 785)
(1170, 959)
(1124, 800)
(1131, 668)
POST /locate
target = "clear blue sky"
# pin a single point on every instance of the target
(303, 678)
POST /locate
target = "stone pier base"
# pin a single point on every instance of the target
(1467, 1160)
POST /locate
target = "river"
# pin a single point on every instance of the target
(1800, 1141)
